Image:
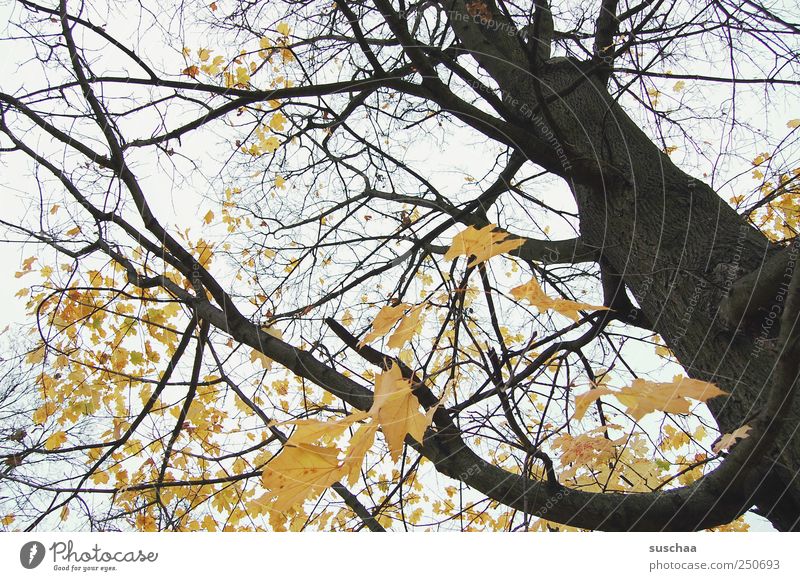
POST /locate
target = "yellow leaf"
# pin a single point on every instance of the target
(270, 144)
(214, 67)
(397, 410)
(360, 444)
(41, 414)
(482, 244)
(283, 29)
(663, 351)
(537, 297)
(7, 520)
(265, 361)
(208, 217)
(277, 121)
(280, 182)
(583, 401)
(146, 523)
(100, 477)
(643, 397)
(242, 76)
(209, 524)
(408, 327)
(729, 440)
(679, 86)
(273, 332)
(54, 209)
(695, 388)
(347, 319)
(315, 431)
(793, 124)
(204, 54)
(386, 319)
(570, 308)
(55, 441)
(205, 252)
(64, 513)
(36, 356)
(300, 472)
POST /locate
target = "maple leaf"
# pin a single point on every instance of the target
(583, 401)
(347, 318)
(386, 318)
(729, 440)
(407, 328)
(35, 356)
(270, 144)
(256, 355)
(100, 477)
(695, 388)
(315, 431)
(360, 444)
(191, 71)
(55, 441)
(533, 292)
(300, 472)
(397, 410)
(41, 414)
(585, 448)
(482, 244)
(643, 397)
(283, 29)
(214, 67)
(570, 308)
(277, 121)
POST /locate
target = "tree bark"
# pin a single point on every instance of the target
(679, 248)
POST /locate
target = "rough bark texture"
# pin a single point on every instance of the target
(679, 247)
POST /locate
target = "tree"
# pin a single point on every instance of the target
(404, 264)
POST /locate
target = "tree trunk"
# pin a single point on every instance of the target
(678, 247)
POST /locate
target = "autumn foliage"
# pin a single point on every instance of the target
(254, 303)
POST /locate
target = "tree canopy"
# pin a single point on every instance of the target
(390, 265)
